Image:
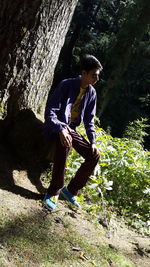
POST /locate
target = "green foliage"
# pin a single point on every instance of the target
(2, 110)
(122, 177)
(136, 130)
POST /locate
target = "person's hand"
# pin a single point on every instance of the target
(94, 149)
(65, 138)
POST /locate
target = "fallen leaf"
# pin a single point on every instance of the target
(82, 256)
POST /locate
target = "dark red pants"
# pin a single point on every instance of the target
(80, 144)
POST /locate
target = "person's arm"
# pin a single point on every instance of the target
(52, 122)
(88, 120)
(53, 106)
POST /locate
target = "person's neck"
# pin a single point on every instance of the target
(83, 83)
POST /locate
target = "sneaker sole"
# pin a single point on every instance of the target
(47, 207)
(68, 199)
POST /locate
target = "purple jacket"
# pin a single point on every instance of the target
(58, 108)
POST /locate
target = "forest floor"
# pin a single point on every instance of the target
(32, 236)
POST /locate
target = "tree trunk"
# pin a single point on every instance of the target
(32, 33)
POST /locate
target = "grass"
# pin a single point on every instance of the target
(42, 240)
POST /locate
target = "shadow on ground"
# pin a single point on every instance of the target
(22, 147)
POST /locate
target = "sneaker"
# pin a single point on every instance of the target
(69, 196)
(50, 202)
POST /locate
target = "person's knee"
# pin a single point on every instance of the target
(97, 156)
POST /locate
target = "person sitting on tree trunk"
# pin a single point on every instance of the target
(73, 101)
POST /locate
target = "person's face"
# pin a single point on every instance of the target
(92, 76)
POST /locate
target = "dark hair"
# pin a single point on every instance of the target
(89, 62)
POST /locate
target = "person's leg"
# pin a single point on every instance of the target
(81, 145)
(58, 171)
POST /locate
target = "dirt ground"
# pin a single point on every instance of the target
(19, 193)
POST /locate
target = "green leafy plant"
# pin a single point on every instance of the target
(136, 130)
(121, 179)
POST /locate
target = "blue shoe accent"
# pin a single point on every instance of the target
(50, 202)
(69, 196)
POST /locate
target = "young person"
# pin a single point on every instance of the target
(73, 101)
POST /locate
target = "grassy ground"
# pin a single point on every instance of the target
(40, 238)
(32, 236)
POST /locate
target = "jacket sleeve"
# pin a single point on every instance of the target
(53, 106)
(88, 119)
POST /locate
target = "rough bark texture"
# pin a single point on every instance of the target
(32, 33)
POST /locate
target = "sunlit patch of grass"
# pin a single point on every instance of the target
(114, 257)
(33, 239)
(38, 240)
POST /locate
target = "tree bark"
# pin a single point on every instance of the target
(32, 33)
